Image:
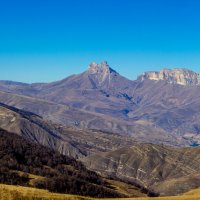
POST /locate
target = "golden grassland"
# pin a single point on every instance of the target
(11, 192)
(32, 178)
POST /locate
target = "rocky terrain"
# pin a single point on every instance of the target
(102, 99)
(162, 169)
(67, 140)
(124, 129)
(21, 161)
(176, 76)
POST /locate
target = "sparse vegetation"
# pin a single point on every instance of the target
(11, 192)
(163, 170)
(62, 174)
(24, 193)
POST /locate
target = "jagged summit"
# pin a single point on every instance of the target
(178, 75)
(102, 68)
(101, 74)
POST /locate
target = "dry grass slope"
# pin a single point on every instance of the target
(10, 192)
(192, 195)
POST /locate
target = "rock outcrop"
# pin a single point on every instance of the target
(102, 68)
(177, 76)
(101, 74)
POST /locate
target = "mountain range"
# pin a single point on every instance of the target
(158, 107)
(142, 132)
(68, 141)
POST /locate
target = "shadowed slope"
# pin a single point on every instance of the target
(61, 173)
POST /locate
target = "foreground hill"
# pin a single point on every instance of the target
(162, 169)
(58, 173)
(24, 193)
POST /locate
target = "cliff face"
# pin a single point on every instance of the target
(178, 76)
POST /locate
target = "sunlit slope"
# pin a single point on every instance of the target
(173, 171)
(10, 192)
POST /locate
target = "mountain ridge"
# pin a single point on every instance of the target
(102, 99)
(104, 68)
(99, 116)
(69, 141)
(176, 76)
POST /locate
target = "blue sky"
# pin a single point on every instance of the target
(47, 40)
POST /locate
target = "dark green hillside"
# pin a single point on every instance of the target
(62, 174)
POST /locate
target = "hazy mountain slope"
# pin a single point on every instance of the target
(163, 169)
(19, 88)
(140, 130)
(162, 109)
(98, 82)
(172, 107)
(60, 113)
(67, 140)
(34, 128)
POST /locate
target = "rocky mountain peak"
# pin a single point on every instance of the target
(177, 76)
(102, 68)
(101, 74)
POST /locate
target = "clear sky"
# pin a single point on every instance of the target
(46, 40)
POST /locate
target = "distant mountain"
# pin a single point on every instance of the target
(162, 169)
(101, 117)
(68, 141)
(35, 129)
(177, 76)
(151, 108)
(98, 90)
(77, 118)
